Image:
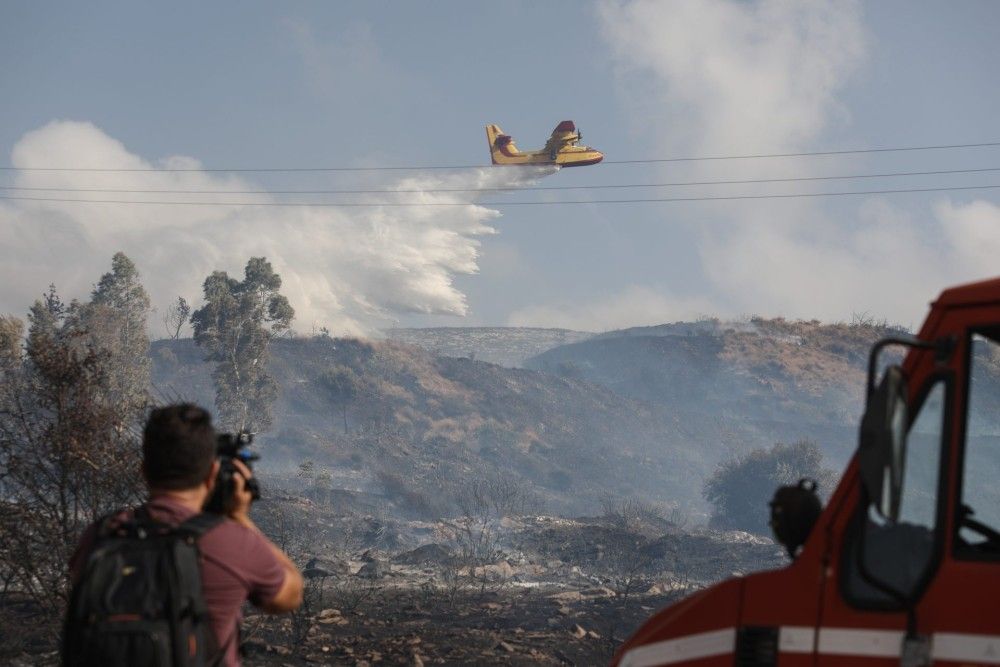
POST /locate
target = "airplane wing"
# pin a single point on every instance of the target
(564, 135)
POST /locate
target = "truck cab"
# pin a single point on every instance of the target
(902, 567)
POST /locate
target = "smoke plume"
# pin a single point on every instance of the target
(349, 269)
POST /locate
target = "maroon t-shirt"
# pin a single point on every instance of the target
(237, 564)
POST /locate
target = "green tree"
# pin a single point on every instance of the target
(116, 319)
(235, 327)
(343, 385)
(741, 487)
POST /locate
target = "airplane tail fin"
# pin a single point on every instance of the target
(501, 145)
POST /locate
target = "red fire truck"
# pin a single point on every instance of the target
(902, 566)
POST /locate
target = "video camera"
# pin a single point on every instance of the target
(228, 448)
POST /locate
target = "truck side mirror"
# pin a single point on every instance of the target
(882, 441)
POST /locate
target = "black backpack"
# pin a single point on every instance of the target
(138, 600)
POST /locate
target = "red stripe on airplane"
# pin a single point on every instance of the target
(582, 163)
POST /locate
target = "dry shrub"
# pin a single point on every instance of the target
(629, 513)
(482, 503)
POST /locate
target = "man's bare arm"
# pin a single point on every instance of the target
(289, 596)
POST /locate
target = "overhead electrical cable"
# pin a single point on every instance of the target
(507, 203)
(807, 153)
(501, 189)
(854, 151)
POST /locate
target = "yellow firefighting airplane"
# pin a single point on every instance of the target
(561, 149)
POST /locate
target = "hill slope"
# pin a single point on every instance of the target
(772, 380)
(426, 425)
(644, 413)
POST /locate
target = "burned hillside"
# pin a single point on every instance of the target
(437, 421)
(768, 380)
(644, 413)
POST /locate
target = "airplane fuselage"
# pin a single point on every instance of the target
(570, 156)
(561, 150)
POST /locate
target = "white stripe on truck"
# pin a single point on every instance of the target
(982, 649)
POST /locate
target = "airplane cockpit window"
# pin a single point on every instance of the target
(979, 511)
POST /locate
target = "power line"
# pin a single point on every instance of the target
(507, 188)
(807, 154)
(854, 151)
(508, 203)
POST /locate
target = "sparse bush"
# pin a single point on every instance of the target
(741, 487)
(482, 503)
(627, 561)
(350, 592)
(865, 320)
(319, 481)
(626, 556)
(626, 553)
(629, 513)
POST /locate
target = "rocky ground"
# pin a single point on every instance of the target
(550, 590)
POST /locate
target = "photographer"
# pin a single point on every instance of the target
(235, 561)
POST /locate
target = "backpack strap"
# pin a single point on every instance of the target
(139, 524)
(108, 524)
(200, 524)
(111, 526)
(190, 532)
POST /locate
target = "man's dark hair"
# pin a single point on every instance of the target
(178, 446)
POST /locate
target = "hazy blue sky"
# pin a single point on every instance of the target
(254, 84)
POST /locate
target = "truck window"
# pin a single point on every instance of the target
(900, 554)
(979, 512)
(922, 464)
